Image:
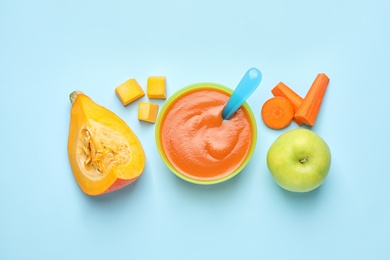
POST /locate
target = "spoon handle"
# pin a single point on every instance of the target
(248, 84)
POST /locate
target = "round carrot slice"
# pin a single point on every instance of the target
(277, 112)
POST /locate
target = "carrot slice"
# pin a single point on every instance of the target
(308, 111)
(277, 112)
(283, 90)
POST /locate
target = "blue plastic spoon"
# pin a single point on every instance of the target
(245, 88)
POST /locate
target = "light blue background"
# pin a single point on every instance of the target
(50, 48)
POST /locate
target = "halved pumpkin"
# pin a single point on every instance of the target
(104, 153)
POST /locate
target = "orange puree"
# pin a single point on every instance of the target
(198, 142)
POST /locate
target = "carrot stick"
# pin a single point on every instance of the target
(308, 111)
(283, 90)
(277, 112)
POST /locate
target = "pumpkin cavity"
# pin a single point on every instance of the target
(100, 149)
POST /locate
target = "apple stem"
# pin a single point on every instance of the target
(304, 159)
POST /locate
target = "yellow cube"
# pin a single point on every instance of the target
(156, 87)
(147, 112)
(129, 91)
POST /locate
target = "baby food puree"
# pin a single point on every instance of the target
(196, 142)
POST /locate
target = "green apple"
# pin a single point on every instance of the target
(299, 160)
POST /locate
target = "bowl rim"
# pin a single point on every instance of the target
(184, 91)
